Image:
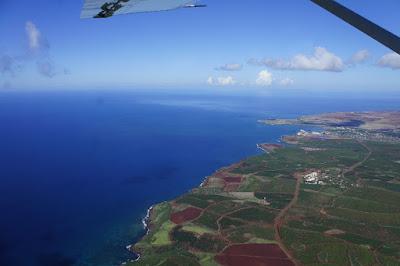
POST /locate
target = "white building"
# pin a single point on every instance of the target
(311, 178)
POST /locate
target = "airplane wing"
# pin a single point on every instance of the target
(109, 8)
(373, 30)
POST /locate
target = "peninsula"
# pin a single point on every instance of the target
(323, 198)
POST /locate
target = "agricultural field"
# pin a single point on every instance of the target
(321, 201)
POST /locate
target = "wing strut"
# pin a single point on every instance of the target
(375, 31)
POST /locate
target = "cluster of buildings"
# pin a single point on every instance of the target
(365, 135)
(313, 178)
(324, 178)
(303, 133)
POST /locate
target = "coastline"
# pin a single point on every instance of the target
(147, 219)
(244, 207)
(265, 148)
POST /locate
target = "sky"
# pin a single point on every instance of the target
(230, 45)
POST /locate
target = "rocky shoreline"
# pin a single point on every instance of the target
(146, 221)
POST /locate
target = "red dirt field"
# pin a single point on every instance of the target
(270, 147)
(231, 187)
(187, 214)
(254, 255)
(232, 179)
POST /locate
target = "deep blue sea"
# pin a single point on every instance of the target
(78, 170)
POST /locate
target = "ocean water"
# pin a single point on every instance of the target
(78, 170)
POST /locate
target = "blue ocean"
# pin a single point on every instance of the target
(78, 169)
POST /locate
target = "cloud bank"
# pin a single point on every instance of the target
(34, 36)
(221, 81)
(230, 67)
(264, 78)
(320, 60)
(359, 57)
(286, 82)
(390, 60)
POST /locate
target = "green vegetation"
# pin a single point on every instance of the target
(365, 205)
(314, 248)
(197, 229)
(255, 215)
(229, 223)
(249, 233)
(367, 217)
(161, 227)
(314, 199)
(224, 207)
(200, 200)
(275, 200)
(206, 259)
(161, 236)
(351, 216)
(205, 243)
(208, 220)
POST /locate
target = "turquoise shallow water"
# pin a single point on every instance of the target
(79, 169)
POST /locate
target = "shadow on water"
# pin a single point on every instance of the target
(55, 259)
(48, 237)
(4, 248)
(160, 172)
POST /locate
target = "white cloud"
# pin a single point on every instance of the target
(264, 78)
(34, 36)
(359, 57)
(286, 82)
(225, 81)
(390, 60)
(230, 67)
(221, 81)
(320, 60)
(38, 52)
